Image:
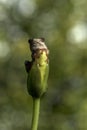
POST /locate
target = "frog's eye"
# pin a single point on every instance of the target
(30, 41)
(43, 39)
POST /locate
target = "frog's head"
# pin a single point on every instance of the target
(37, 44)
(39, 49)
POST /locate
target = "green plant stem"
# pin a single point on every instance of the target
(36, 111)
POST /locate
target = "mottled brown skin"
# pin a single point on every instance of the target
(35, 53)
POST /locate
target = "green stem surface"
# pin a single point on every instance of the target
(36, 111)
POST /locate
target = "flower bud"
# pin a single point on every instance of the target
(38, 73)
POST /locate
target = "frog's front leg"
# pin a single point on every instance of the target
(28, 65)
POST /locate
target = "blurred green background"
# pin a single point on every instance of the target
(63, 23)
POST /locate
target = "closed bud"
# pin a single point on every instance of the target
(38, 73)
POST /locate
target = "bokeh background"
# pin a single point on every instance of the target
(63, 23)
